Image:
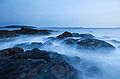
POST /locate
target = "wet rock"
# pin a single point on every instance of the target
(70, 41)
(83, 36)
(7, 34)
(64, 35)
(23, 31)
(95, 44)
(115, 41)
(68, 34)
(10, 52)
(75, 34)
(32, 31)
(36, 64)
(86, 36)
(118, 46)
(29, 45)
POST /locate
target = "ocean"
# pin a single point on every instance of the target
(108, 63)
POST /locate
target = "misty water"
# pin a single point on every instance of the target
(108, 63)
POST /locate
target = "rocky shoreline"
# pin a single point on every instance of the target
(30, 61)
(23, 31)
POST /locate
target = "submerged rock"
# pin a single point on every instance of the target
(36, 64)
(95, 44)
(93, 72)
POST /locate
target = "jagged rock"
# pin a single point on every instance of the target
(10, 52)
(64, 35)
(36, 64)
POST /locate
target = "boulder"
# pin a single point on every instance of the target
(68, 34)
(7, 34)
(36, 64)
(10, 52)
(64, 35)
(95, 44)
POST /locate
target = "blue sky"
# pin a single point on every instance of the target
(88, 13)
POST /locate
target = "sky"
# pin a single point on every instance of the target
(85, 13)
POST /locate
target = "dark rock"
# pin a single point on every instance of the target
(86, 36)
(33, 54)
(118, 46)
(70, 41)
(36, 64)
(7, 34)
(29, 46)
(75, 34)
(24, 31)
(10, 52)
(95, 44)
(32, 31)
(64, 35)
(115, 41)
(68, 34)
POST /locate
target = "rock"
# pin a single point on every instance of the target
(23, 31)
(27, 46)
(118, 46)
(95, 44)
(64, 35)
(33, 54)
(36, 64)
(30, 31)
(68, 34)
(115, 41)
(7, 34)
(70, 41)
(75, 34)
(93, 71)
(86, 36)
(10, 52)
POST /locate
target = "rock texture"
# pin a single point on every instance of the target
(23, 31)
(34, 64)
(95, 44)
(68, 34)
